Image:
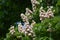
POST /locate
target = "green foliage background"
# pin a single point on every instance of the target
(10, 13)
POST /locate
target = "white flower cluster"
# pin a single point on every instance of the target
(47, 14)
(34, 4)
(27, 30)
(12, 31)
(25, 17)
(28, 12)
(28, 27)
(20, 27)
(42, 13)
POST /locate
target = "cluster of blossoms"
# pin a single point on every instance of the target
(34, 4)
(27, 30)
(28, 13)
(44, 14)
(28, 27)
(12, 31)
(25, 17)
(20, 27)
